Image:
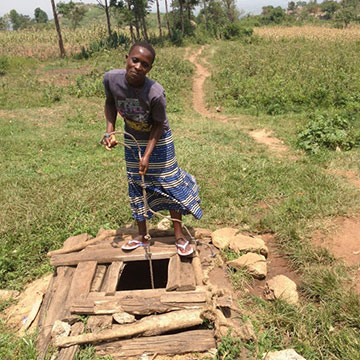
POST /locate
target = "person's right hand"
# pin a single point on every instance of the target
(109, 142)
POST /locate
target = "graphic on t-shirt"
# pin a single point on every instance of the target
(134, 115)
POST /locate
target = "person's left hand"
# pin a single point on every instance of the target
(143, 165)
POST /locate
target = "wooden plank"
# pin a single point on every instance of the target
(185, 342)
(139, 302)
(81, 281)
(187, 277)
(98, 278)
(173, 273)
(199, 275)
(112, 276)
(70, 352)
(147, 326)
(55, 309)
(104, 256)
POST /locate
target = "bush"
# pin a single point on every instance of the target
(232, 31)
(4, 65)
(111, 42)
(326, 131)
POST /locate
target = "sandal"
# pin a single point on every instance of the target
(181, 248)
(134, 244)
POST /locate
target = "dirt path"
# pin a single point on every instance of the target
(344, 243)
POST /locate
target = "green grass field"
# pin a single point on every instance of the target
(57, 181)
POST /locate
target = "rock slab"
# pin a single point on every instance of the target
(255, 264)
(281, 287)
(288, 354)
(248, 244)
(221, 238)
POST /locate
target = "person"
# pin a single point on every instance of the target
(141, 103)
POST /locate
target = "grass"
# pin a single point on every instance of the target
(57, 181)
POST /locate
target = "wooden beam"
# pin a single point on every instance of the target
(53, 307)
(193, 341)
(173, 273)
(148, 326)
(136, 303)
(81, 281)
(187, 277)
(104, 256)
(199, 275)
(112, 276)
(98, 278)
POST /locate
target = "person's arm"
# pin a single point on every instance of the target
(110, 116)
(155, 135)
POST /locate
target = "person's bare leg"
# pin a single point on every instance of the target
(178, 233)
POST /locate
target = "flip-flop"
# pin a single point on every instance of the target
(136, 244)
(183, 247)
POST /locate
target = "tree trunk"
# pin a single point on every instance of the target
(174, 14)
(188, 9)
(182, 15)
(158, 17)
(130, 24)
(137, 26)
(205, 13)
(143, 22)
(57, 25)
(167, 17)
(107, 17)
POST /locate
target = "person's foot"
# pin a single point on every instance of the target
(132, 244)
(183, 247)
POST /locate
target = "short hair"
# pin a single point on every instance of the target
(146, 46)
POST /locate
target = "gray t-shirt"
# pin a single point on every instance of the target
(138, 107)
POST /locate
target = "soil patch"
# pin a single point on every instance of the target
(266, 137)
(352, 176)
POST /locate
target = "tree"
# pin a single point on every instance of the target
(19, 21)
(329, 7)
(167, 17)
(348, 12)
(158, 18)
(106, 7)
(40, 16)
(73, 12)
(58, 30)
(4, 23)
(291, 6)
(272, 14)
(231, 10)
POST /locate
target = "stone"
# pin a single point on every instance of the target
(124, 318)
(200, 233)
(8, 294)
(246, 332)
(248, 244)
(164, 224)
(221, 237)
(288, 354)
(255, 264)
(60, 329)
(281, 287)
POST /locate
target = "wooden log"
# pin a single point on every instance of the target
(148, 326)
(55, 309)
(78, 247)
(187, 277)
(193, 341)
(81, 281)
(76, 240)
(98, 278)
(104, 256)
(199, 275)
(70, 352)
(173, 273)
(112, 276)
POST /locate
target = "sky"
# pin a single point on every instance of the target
(27, 7)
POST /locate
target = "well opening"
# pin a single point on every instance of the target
(136, 275)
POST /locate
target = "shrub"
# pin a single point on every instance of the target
(326, 131)
(232, 31)
(4, 65)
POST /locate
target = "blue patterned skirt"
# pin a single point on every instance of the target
(167, 186)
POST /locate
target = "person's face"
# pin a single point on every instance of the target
(138, 64)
